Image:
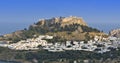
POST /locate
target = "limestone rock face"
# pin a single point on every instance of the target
(73, 20)
(115, 33)
(63, 21)
(42, 22)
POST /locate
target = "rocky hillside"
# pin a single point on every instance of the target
(115, 33)
(62, 28)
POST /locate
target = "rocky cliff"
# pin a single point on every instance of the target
(63, 21)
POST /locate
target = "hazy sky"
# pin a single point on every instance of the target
(18, 14)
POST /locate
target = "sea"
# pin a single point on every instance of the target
(105, 27)
(5, 62)
(8, 61)
(6, 28)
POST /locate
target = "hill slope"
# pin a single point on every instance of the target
(62, 28)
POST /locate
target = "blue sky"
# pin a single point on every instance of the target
(19, 14)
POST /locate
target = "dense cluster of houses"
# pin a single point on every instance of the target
(111, 43)
(29, 44)
(93, 45)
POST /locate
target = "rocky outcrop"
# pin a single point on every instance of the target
(63, 21)
(115, 33)
(73, 20)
